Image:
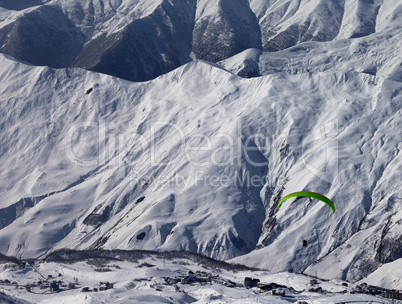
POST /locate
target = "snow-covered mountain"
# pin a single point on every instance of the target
(140, 40)
(198, 158)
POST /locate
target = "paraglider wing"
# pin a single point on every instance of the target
(310, 194)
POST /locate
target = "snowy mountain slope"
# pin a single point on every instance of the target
(44, 36)
(223, 29)
(143, 48)
(366, 55)
(197, 160)
(287, 23)
(20, 5)
(100, 16)
(387, 275)
(140, 40)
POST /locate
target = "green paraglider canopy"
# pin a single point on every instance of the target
(309, 194)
